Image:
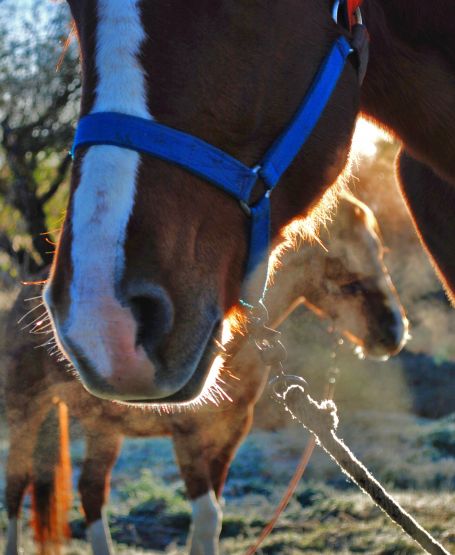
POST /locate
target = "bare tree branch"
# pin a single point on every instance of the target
(37, 107)
(6, 245)
(60, 177)
(21, 257)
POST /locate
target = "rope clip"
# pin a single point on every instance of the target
(281, 383)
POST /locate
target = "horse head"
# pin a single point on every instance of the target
(358, 293)
(151, 257)
(341, 276)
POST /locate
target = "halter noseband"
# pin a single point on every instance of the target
(216, 166)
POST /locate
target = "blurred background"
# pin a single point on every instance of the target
(399, 416)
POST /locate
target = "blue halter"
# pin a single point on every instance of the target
(216, 166)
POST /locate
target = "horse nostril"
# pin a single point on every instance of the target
(152, 309)
(387, 339)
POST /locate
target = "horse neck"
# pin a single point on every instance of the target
(410, 84)
(297, 279)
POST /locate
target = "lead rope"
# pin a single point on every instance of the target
(329, 392)
(321, 420)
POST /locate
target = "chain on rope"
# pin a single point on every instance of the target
(329, 391)
(321, 420)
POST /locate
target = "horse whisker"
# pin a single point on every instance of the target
(34, 299)
(43, 318)
(29, 312)
(220, 346)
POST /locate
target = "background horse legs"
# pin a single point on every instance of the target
(102, 451)
(23, 434)
(18, 476)
(204, 450)
(431, 201)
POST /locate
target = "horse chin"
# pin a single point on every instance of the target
(151, 381)
(364, 351)
(378, 351)
(378, 345)
(377, 358)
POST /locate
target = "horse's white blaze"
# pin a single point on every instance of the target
(104, 199)
(207, 518)
(12, 542)
(99, 537)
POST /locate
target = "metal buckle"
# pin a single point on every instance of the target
(358, 16)
(247, 207)
(244, 205)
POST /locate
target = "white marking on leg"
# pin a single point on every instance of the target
(104, 199)
(99, 537)
(13, 537)
(207, 520)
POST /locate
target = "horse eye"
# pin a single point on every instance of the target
(334, 268)
(352, 288)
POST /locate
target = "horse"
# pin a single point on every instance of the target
(412, 50)
(152, 256)
(419, 182)
(345, 282)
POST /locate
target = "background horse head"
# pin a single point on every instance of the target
(151, 257)
(343, 277)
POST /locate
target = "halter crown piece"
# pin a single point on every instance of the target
(216, 166)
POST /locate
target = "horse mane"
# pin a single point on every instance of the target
(305, 229)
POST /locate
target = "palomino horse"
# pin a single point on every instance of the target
(152, 254)
(348, 284)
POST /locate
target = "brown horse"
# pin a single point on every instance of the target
(419, 182)
(348, 284)
(151, 257)
(410, 90)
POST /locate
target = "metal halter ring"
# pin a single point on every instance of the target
(280, 384)
(336, 9)
(358, 16)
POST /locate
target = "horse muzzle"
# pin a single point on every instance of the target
(389, 339)
(131, 351)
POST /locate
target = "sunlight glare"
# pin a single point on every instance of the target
(365, 137)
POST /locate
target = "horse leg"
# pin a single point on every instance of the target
(204, 450)
(17, 480)
(18, 475)
(101, 453)
(192, 457)
(13, 537)
(431, 202)
(207, 518)
(239, 424)
(25, 414)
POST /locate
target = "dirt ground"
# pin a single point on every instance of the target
(414, 457)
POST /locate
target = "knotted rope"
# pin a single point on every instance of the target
(299, 471)
(321, 420)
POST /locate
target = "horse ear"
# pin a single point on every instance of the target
(431, 201)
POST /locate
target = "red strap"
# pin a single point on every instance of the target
(352, 6)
